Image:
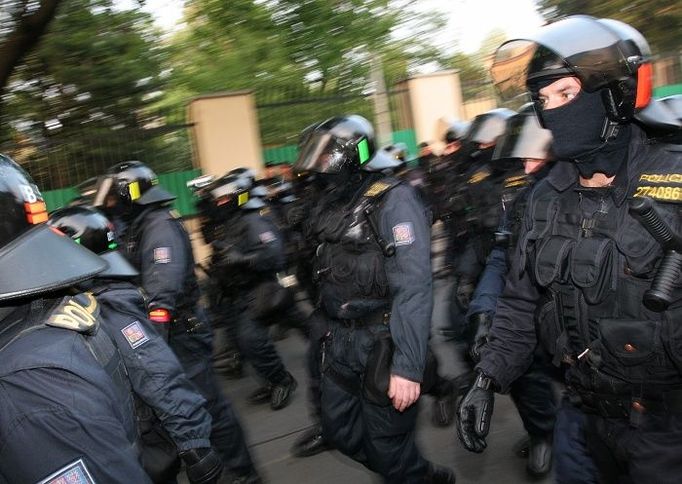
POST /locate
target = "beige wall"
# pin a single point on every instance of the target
(225, 132)
(434, 96)
(478, 106)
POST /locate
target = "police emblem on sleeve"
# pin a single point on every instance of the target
(267, 237)
(73, 473)
(403, 234)
(162, 255)
(135, 335)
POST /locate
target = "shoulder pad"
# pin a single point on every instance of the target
(381, 187)
(516, 181)
(478, 176)
(77, 313)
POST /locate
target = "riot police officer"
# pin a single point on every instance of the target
(67, 411)
(171, 416)
(606, 291)
(373, 270)
(533, 394)
(154, 240)
(247, 252)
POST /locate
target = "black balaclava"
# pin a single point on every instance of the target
(578, 128)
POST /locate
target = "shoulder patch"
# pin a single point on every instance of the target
(515, 181)
(77, 313)
(377, 188)
(267, 237)
(73, 473)
(162, 255)
(478, 177)
(135, 335)
(665, 187)
(403, 234)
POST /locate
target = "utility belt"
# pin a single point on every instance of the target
(186, 322)
(631, 407)
(381, 316)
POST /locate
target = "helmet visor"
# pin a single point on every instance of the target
(523, 138)
(580, 46)
(324, 153)
(104, 196)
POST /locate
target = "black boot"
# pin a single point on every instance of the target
(310, 443)
(282, 391)
(261, 395)
(440, 475)
(539, 456)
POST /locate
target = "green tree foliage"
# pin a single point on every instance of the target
(81, 101)
(22, 23)
(314, 50)
(659, 20)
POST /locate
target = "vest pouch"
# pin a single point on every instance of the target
(552, 259)
(548, 327)
(592, 268)
(640, 249)
(672, 336)
(630, 342)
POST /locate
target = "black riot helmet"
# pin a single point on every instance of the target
(340, 145)
(451, 129)
(218, 200)
(604, 54)
(523, 138)
(129, 185)
(89, 228)
(34, 259)
(487, 127)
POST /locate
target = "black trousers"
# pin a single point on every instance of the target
(379, 437)
(534, 397)
(619, 452)
(194, 353)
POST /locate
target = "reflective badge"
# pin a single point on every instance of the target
(162, 255)
(267, 237)
(135, 335)
(403, 234)
(74, 473)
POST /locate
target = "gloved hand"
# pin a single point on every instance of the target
(465, 289)
(482, 322)
(203, 466)
(474, 414)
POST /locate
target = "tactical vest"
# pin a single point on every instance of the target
(349, 263)
(79, 313)
(594, 263)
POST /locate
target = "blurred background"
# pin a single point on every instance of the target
(85, 84)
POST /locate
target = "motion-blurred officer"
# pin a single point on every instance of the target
(67, 411)
(523, 141)
(170, 413)
(373, 270)
(154, 240)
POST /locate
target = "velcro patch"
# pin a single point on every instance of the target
(267, 237)
(74, 473)
(376, 188)
(162, 255)
(403, 234)
(135, 335)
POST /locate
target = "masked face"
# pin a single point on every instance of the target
(576, 118)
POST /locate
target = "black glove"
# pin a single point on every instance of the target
(465, 289)
(482, 322)
(203, 466)
(474, 414)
